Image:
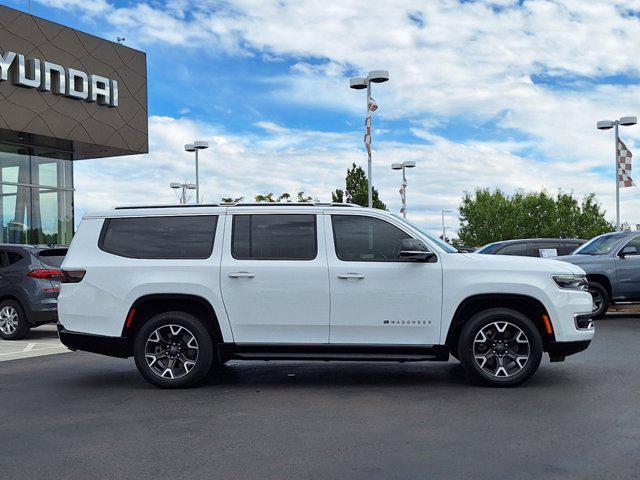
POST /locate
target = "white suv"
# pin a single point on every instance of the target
(184, 288)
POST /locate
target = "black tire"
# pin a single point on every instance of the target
(171, 347)
(10, 313)
(509, 352)
(601, 298)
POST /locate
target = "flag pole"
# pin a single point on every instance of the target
(369, 179)
(616, 177)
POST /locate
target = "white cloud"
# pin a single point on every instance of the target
(283, 161)
(480, 61)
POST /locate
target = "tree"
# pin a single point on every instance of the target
(356, 188)
(232, 200)
(488, 216)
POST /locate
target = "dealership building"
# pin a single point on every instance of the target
(65, 96)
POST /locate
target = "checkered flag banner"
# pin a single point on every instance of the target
(372, 107)
(624, 166)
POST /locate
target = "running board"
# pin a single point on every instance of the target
(328, 352)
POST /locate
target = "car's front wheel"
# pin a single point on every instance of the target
(500, 348)
(601, 300)
(13, 321)
(173, 350)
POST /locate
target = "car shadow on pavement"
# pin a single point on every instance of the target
(302, 375)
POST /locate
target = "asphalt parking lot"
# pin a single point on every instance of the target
(42, 340)
(79, 416)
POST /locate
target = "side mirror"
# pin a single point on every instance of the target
(628, 251)
(414, 250)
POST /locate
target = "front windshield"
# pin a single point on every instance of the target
(443, 245)
(489, 248)
(601, 245)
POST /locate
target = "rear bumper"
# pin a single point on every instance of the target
(39, 317)
(559, 350)
(111, 346)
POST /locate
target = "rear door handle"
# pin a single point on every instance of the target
(355, 276)
(241, 275)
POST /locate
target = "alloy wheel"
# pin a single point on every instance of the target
(501, 349)
(8, 320)
(597, 299)
(171, 351)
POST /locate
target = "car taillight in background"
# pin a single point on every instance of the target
(45, 274)
(72, 276)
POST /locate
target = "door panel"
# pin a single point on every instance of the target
(276, 289)
(628, 273)
(374, 297)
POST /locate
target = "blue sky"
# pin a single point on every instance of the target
(482, 94)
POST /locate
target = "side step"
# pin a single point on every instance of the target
(328, 352)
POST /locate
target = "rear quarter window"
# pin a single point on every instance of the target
(52, 257)
(183, 237)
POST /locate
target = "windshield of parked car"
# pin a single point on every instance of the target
(490, 248)
(443, 245)
(601, 245)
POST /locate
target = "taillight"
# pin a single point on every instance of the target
(72, 276)
(43, 274)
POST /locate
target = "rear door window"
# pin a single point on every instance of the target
(183, 237)
(545, 250)
(274, 237)
(52, 257)
(518, 249)
(567, 248)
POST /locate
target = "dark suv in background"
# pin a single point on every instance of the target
(612, 263)
(533, 247)
(29, 287)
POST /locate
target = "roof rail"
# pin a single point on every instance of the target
(181, 205)
(239, 204)
(289, 204)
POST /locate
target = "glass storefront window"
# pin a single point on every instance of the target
(36, 204)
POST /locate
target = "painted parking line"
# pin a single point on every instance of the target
(41, 341)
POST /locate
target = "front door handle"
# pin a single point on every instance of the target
(348, 276)
(242, 275)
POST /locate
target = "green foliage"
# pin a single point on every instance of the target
(285, 197)
(356, 185)
(491, 216)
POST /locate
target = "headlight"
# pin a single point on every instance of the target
(573, 282)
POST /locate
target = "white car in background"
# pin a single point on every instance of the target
(183, 288)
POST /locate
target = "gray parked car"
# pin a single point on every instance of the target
(29, 287)
(532, 247)
(612, 263)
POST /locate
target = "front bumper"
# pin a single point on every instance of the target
(559, 350)
(111, 346)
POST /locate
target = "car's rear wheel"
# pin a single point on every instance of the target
(601, 300)
(500, 348)
(173, 350)
(13, 321)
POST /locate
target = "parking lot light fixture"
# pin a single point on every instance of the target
(403, 189)
(606, 125)
(360, 83)
(195, 147)
(184, 186)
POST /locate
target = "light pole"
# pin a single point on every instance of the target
(403, 189)
(359, 83)
(194, 147)
(444, 228)
(606, 125)
(184, 186)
